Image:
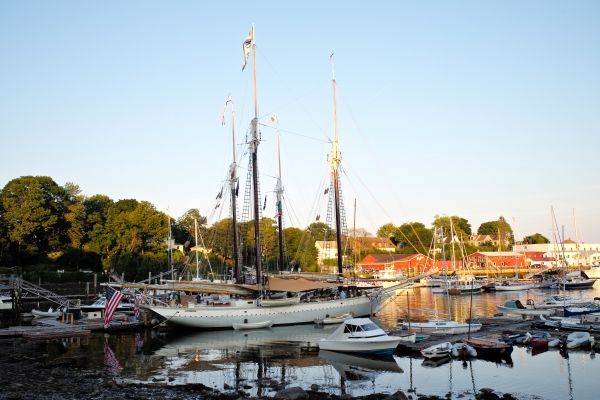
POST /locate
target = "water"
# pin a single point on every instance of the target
(263, 361)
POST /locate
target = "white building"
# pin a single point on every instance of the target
(583, 254)
(326, 250)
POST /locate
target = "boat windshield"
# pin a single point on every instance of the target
(370, 327)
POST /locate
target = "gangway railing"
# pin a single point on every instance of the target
(38, 291)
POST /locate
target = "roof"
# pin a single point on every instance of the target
(387, 258)
(277, 284)
(498, 253)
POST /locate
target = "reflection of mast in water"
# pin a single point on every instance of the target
(570, 380)
(472, 376)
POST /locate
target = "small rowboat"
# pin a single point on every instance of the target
(463, 350)
(539, 340)
(334, 320)
(252, 325)
(437, 350)
(46, 314)
(578, 339)
(489, 347)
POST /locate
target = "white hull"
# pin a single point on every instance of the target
(46, 314)
(438, 326)
(360, 345)
(256, 325)
(223, 317)
(529, 311)
(593, 273)
(513, 288)
(5, 303)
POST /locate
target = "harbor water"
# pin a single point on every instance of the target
(261, 362)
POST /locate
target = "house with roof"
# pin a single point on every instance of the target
(326, 250)
(496, 259)
(374, 244)
(406, 263)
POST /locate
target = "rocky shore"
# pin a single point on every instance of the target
(27, 374)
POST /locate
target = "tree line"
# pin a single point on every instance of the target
(45, 226)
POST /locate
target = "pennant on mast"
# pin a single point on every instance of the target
(247, 45)
(225, 110)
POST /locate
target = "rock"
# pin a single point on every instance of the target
(487, 394)
(399, 395)
(314, 387)
(345, 397)
(226, 386)
(292, 393)
(508, 396)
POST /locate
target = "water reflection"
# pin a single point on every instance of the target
(264, 361)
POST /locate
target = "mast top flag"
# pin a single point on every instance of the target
(247, 45)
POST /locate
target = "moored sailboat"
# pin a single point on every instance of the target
(258, 306)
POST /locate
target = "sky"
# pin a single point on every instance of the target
(469, 108)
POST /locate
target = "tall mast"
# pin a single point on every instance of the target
(233, 181)
(279, 193)
(196, 239)
(254, 150)
(334, 162)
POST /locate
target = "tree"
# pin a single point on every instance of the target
(300, 249)
(388, 231)
(460, 226)
(183, 229)
(536, 238)
(499, 228)
(33, 211)
(414, 237)
(320, 231)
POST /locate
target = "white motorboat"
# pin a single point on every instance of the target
(51, 313)
(578, 339)
(506, 286)
(441, 326)
(437, 350)
(5, 303)
(515, 307)
(362, 336)
(559, 301)
(593, 272)
(254, 325)
(463, 350)
(100, 304)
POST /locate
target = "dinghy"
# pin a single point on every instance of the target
(252, 325)
(362, 336)
(437, 350)
(489, 347)
(334, 320)
(51, 313)
(463, 350)
(578, 339)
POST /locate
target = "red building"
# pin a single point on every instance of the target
(496, 259)
(397, 262)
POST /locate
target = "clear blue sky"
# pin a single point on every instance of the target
(472, 108)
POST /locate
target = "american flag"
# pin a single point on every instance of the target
(136, 310)
(113, 299)
(110, 359)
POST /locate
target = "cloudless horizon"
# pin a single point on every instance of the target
(475, 109)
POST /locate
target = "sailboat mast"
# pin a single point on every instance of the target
(196, 240)
(233, 188)
(254, 149)
(335, 160)
(279, 192)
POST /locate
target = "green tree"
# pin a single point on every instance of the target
(33, 211)
(414, 237)
(536, 238)
(320, 231)
(499, 228)
(388, 231)
(460, 226)
(300, 249)
(183, 229)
